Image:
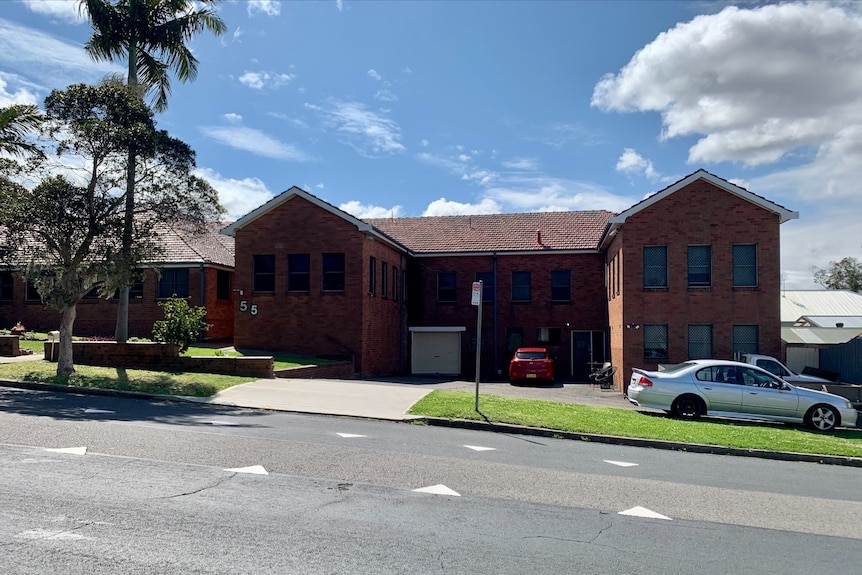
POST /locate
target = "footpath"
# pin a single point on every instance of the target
(391, 398)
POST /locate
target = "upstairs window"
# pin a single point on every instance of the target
(333, 272)
(521, 286)
(655, 266)
(372, 275)
(446, 287)
(174, 281)
(488, 288)
(394, 283)
(699, 266)
(384, 274)
(745, 265)
(299, 273)
(264, 274)
(561, 285)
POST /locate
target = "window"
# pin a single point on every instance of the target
(136, 290)
(264, 274)
(372, 275)
(32, 294)
(699, 341)
(548, 335)
(6, 283)
(384, 274)
(719, 374)
(488, 291)
(745, 265)
(699, 266)
(521, 289)
(93, 293)
(745, 339)
(561, 285)
(298, 273)
(174, 282)
(473, 339)
(446, 287)
(655, 343)
(333, 272)
(394, 283)
(222, 285)
(655, 266)
(514, 338)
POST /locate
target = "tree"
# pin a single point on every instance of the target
(844, 274)
(66, 235)
(16, 122)
(152, 36)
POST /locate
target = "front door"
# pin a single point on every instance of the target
(588, 353)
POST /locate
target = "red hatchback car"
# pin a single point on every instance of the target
(531, 363)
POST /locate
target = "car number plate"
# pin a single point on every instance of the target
(529, 375)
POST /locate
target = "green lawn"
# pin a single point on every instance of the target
(156, 382)
(631, 423)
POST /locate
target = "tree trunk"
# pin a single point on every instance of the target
(121, 332)
(65, 363)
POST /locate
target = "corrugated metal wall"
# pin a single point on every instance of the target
(798, 358)
(845, 359)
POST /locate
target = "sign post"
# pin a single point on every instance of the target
(477, 301)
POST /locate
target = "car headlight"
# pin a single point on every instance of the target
(848, 405)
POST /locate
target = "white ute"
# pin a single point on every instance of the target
(775, 367)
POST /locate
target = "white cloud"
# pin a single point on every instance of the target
(255, 142)
(521, 164)
(755, 84)
(238, 33)
(239, 197)
(385, 96)
(370, 134)
(233, 118)
(261, 80)
(20, 95)
(64, 10)
(47, 60)
(268, 7)
(632, 163)
(444, 207)
(374, 75)
(339, 4)
(364, 211)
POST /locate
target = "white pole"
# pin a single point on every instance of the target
(478, 343)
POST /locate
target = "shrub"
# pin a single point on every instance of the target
(182, 323)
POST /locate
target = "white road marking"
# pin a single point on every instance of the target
(644, 512)
(254, 469)
(621, 463)
(92, 410)
(438, 489)
(480, 448)
(349, 435)
(69, 450)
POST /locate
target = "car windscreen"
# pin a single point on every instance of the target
(531, 355)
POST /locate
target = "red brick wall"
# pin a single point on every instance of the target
(586, 311)
(98, 317)
(382, 317)
(698, 214)
(219, 312)
(316, 322)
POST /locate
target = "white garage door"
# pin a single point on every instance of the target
(437, 352)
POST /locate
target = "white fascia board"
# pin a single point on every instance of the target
(504, 253)
(438, 329)
(783, 213)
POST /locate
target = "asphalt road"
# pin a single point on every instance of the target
(160, 487)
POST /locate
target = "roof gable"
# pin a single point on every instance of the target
(783, 213)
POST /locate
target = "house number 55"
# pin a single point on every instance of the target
(244, 307)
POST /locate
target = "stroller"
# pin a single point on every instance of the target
(604, 376)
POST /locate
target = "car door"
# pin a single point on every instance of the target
(766, 395)
(717, 384)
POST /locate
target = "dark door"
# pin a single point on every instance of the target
(582, 355)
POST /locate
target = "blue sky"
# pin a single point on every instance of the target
(413, 108)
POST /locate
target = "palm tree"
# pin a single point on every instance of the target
(16, 121)
(152, 35)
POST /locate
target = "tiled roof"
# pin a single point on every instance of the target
(534, 231)
(185, 246)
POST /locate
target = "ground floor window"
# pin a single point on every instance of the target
(745, 339)
(699, 341)
(174, 282)
(514, 338)
(655, 342)
(549, 335)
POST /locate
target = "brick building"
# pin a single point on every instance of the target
(198, 266)
(692, 271)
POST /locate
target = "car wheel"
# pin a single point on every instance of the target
(822, 418)
(687, 407)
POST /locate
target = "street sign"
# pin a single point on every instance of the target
(477, 293)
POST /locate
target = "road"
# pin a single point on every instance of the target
(112, 485)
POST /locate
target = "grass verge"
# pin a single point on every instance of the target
(631, 423)
(142, 381)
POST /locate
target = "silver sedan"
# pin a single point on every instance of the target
(733, 389)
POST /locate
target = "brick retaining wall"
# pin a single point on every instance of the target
(336, 370)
